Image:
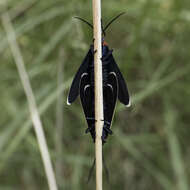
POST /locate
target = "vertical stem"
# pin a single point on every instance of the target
(98, 89)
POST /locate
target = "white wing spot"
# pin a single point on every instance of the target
(84, 74)
(68, 103)
(110, 86)
(112, 73)
(87, 86)
(129, 104)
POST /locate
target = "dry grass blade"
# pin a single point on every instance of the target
(31, 100)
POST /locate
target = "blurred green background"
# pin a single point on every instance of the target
(150, 146)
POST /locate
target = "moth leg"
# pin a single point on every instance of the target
(91, 128)
(106, 131)
(106, 127)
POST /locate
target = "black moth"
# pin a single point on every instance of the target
(113, 86)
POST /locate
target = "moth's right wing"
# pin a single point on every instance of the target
(110, 97)
(74, 90)
(110, 94)
(123, 94)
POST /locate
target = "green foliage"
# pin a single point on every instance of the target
(149, 148)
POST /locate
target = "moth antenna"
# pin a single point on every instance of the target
(83, 20)
(106, 27)
(102, 27)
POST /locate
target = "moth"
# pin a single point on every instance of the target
(114, 86)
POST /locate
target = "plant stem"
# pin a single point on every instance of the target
(98, 89)
(31, 100)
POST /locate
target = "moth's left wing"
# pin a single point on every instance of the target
(74, 90)
(87, 100)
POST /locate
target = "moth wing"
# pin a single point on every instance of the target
(110, 97)
(87, 101)
(123, 94)
(74, 90)
(87, 97)
(110, 94)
